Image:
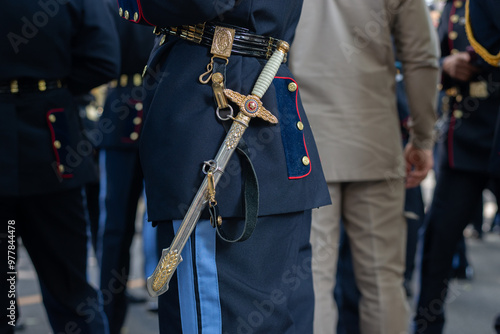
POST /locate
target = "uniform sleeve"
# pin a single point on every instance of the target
(417, 49)
(165, 13)
(95, 53)
(483, 29)
(490, 9)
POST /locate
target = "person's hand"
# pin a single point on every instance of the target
(458, 66)
(418, 164)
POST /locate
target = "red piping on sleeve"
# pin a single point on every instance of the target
(303, 136)
(53, 139)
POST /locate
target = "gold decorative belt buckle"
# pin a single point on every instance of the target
(222, 43)
(478, 89)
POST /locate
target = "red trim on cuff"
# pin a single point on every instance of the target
(53, 139)
(303, 136)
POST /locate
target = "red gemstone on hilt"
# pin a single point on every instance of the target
(251, 106)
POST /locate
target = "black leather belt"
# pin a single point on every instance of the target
(29, 86)
(245, 43)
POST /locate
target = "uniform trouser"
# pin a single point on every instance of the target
(455, 199)
(346, 291)
(121, 186)
(372, 212)
(54, 232)
(260, 286)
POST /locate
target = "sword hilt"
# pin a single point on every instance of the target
(270, 69)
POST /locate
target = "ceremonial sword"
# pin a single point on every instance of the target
(250, 107)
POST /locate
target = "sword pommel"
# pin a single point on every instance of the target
(283, 46)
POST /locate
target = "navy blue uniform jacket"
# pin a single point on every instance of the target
(485, 24)
(471, 131)
(181, 130)
(42, 149)
(123, 106)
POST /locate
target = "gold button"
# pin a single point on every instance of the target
(306, 161)
(137, 80)
(459, 98)
(61, 168)
(113, 84)
(163, 39)
(120, 12)
(292, 86)
(138, 106)
(454, 51)
(134, 135)
(123, 80)
(451, 91)
(42, 85)
(458, 113)
(136, 16)
(300, 125)
(126, 15)
(57, 144)
(144, 70)
(454, 18)
(458, 4)
(137, 120)
(14, 86)
(52, 118)
(439, 86)
(453, 35)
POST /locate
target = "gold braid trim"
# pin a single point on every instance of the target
(493, 60)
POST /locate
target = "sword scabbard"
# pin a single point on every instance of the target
(250, 107)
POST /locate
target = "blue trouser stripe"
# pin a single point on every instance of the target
(206, 268)
(208, 288)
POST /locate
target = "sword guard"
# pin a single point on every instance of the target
(251, 106)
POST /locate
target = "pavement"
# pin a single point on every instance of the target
(471, 308)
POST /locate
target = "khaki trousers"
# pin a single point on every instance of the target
(372, 213)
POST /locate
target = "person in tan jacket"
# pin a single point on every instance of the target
(343, 58)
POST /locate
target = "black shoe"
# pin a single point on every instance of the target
(463, 273)
(134, 298)
(152, 306)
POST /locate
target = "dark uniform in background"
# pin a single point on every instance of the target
(261, 285)
(484, 35)
(120, 170)
(473, 99)
(50, 52)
